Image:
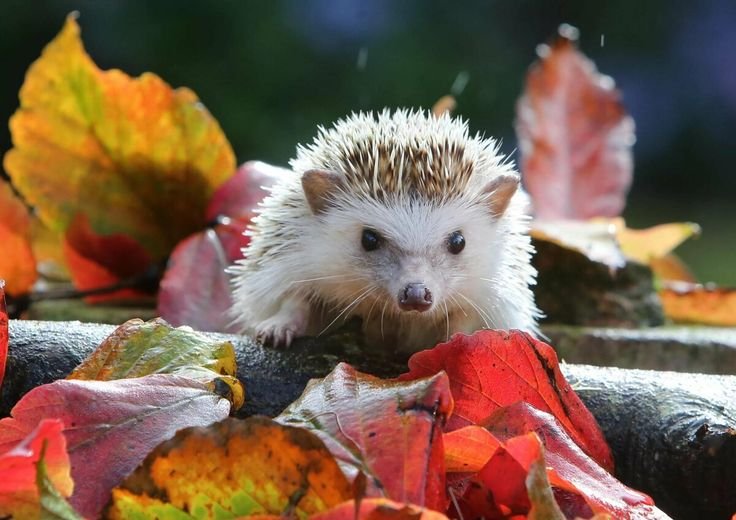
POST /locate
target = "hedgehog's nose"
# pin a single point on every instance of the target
(415, 297)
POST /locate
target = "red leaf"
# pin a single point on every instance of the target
(569, 468)
(111, 426)
(3, 333)
(195, 289)
(468, 449)
(574, 136)
(240, 194)
(18, 464)
(97, 261)
(389, 430)
(492, 369)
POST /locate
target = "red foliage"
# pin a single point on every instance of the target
(111, 426)
(574, 136)
(391, 431)
(492, 369)
(97, 261)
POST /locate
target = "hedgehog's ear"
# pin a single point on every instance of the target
(499, 192)
(318, 186)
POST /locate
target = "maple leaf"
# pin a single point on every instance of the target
(574, 136)
(131, 155)
(17, 262)
(195, 289)
(492, 369)
(388, 430)
(234, 468)
(110, 426)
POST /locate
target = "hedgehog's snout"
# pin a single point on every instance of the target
(415, 297)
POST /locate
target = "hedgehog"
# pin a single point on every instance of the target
(403, 219)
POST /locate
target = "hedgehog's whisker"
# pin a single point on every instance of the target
(366, 291)
(458, 305)
(475, 306)
(383, 338)
(323, 278)
(447, 320)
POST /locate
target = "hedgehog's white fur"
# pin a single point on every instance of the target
(415, 179)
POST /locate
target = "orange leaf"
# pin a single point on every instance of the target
(134, 155)
(574, 136)
(468, 449)
(695, 303)
(17, 264)
(3, 333)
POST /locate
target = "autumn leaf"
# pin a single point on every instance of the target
(110, 426)
(388, 430)
(378, 509)
(132, 155)
(17, 263)
(596, 239)
(138, 348)
(468, 449)
(20, 496)
(645, 245)
(569, 468)
(574, 136)
(492, 369)
(3, 333)
(695, 303)
(234, 468)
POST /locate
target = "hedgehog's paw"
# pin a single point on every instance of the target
(279, 330)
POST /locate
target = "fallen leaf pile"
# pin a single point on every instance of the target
(480, 426)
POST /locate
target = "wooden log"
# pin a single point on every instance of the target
(673, 435)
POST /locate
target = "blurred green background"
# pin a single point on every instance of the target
(271, 71)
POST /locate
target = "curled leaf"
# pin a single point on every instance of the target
(234, 468)
(646, 245)
(574, 135)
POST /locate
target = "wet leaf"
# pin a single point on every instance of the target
(695, 303)
(97, 261)
(379, 509)
(234, 468)
(19, 470)
(492, 369)
(569, 468)
(195, 289)
(389, 430)
(138, 348)
(86, 141)
(17, 263)
(574, 136)
(110, 426)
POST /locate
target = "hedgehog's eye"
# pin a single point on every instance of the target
(455, 242)
(370, 240)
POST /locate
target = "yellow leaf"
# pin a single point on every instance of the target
(132, 154)
(645, 245)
